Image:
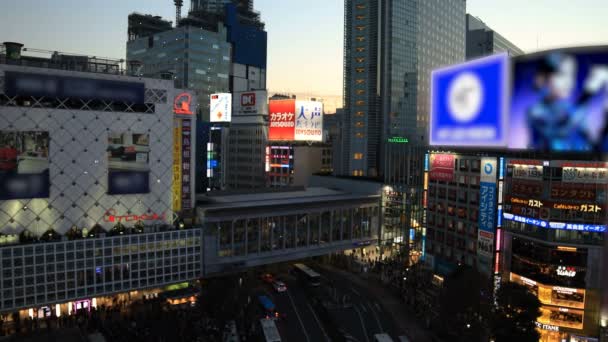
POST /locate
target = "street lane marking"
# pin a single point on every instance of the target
(355, 292)
(318, 322)
(378, 307)
(362, 323)
(376, 317)
(364, 309)
(298, 314)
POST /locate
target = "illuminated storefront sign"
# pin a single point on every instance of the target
(586, 208)
(546, 326)
(566, 271)
(555, 225)
(584, 175)
(176, 186)
(181, 104)
(398, 140)
(110, 216)
(267, 159)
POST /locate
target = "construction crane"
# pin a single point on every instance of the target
(178, 11)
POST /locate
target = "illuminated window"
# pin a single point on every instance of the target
(360, 113)
(360, 49)
(360, 27)
(360, 103)
(361, 6)
(359, 124)
(360, 81)
(360, 38)
(358, 156)
(360, 91)
(360, 17)
(359, 135)
(360, 70)
(360, 59)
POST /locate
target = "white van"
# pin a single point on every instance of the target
(382, 338)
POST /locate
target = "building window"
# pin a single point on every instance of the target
(360, 27)
(360, 49)
(358, 156)
(360, 81)
(360, 70)
(360, 91)
(360, 103)
(360, 38)
(359, 124)
(360, 113)
(360, 6)
(360, 17)
(359, 135)
(360, 59)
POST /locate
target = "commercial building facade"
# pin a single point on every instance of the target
(90, 193)
(554, 221)
(292, 165)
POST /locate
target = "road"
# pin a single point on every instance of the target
(306, 320)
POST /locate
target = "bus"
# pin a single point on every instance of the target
(309, 276)
(271, 333)
(269, 308)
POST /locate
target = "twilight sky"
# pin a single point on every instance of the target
(305, 37)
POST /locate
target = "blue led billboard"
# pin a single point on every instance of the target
(469, 102)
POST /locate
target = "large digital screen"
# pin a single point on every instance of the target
(54, 86)
(469, 103)
(220, 107)
(295, 120)
(128, 163)
(559, 101)
(24, 165)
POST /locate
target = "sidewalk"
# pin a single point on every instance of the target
(407, 323)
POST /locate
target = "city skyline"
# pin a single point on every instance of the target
(291, 37)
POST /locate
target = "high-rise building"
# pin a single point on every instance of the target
(219, 47)
(390, 48)
(482, 40)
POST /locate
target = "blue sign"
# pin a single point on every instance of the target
(468, 103)
(501, 168)
(555, 225)
(426, 162)
(487, 204)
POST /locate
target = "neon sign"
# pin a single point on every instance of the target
(566, 271)
(398, 140)
(110, 216)
(555, 225)
(181, 104)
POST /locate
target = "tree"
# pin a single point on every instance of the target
(462, 305)
(515, 316)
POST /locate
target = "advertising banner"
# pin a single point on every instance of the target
(485, 243)
(469, 103)
(220, 107)
(24, 165)
(186, 164)
(530, 172)
(309, 121)
(487, 195)
(584, 175)
(250, 103)
(442, 167)
(62, 87)
(176, 186)
(559, 101)
(128, 163)
(282, 120)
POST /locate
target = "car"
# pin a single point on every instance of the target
(267, 278)
(279, 286)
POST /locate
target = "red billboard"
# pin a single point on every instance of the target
(442, 167)
(282, 120)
